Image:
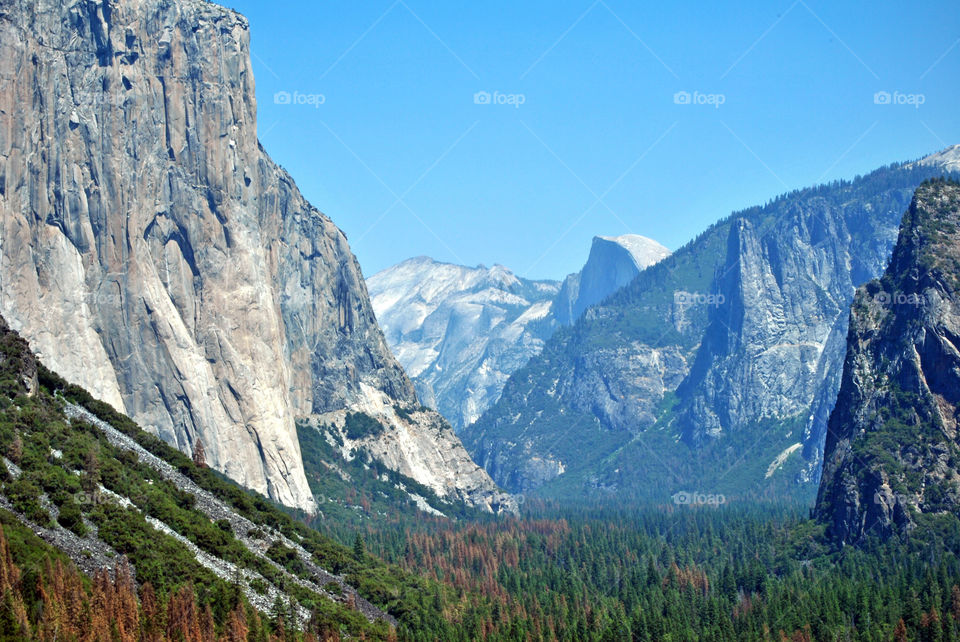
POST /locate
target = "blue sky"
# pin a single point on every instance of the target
(373, 107)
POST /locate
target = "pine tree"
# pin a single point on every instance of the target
(208, 630)
(151, 624)
(359, 548)
(236, 629)
(257, 631)
(278, 616)
(13, 617)
(13, 613)
(199, 456)
(101, 605)
(182, 621)
(126, 612)
(91, 475)
(653, 578)
(900, 632)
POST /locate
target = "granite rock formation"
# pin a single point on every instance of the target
(155, 254)
(461, 332)
(892, 449)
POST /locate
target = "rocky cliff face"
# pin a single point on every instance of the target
(460, 332)
(712, 364)
(153, 253)
(892, 448)
(614, 261)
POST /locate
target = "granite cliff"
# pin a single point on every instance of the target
(892, 456)
(153, 253)
(613, 262)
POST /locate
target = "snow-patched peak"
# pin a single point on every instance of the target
(459, 331)
(431, 279)
(645, 251)
(405, 294)
(948, 158)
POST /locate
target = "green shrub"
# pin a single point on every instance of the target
(333, 588)
(70, 517)
(359, 425)
(25, 496)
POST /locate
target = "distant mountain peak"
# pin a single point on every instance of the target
(614, 261)
(645, 251)
(462, 331)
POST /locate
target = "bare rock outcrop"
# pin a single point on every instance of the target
(460, 332)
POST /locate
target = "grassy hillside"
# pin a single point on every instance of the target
(99, 489)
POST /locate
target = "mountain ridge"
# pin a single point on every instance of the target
(456, 329)
(731, 345)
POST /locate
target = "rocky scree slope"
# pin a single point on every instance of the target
(152, 252)
(892, 456)
(711, 365)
